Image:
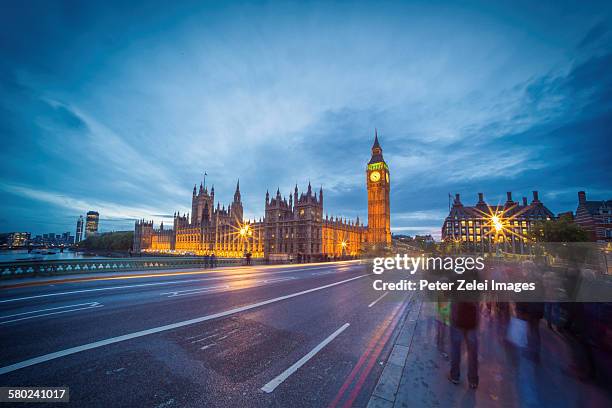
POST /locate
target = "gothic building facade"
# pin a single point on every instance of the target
(297, 228)
(293, 228)
(379, 186)
(208, 230)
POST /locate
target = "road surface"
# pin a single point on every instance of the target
(299, 336)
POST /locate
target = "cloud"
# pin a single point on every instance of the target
(110, 210)
(286, 94)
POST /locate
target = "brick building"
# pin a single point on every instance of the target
(485, 226)
(595, 216)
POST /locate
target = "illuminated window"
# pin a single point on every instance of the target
(478, 230)
(464, 238)
(463, 223)
(470, 223)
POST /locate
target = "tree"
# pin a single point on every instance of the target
(110, 241)
(565, 240)
(560, 230)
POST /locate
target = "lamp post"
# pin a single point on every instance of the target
(245, 232)
(497, 224)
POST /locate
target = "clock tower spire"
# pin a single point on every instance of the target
(378, 182)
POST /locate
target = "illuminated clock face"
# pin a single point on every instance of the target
(387, 176)
(375, 176)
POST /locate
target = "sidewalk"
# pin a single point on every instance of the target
(415, 374)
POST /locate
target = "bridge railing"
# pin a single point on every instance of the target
(26, 268)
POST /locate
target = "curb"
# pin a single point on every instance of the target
(387, 386)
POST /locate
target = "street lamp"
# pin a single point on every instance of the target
(497, 224)
(245, 232)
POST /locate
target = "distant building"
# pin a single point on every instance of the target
(79, 230)
(595, 217)
(293, 227)
(483, 225)
(207, 230)
(91, 227)
(18, 239)
(426, 239)
(67, 239)
(297, 229)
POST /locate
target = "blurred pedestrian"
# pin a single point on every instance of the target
(464, 326)
(442, 325)
(532, 313)
(213, 260)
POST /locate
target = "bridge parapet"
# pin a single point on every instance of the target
(25, 268)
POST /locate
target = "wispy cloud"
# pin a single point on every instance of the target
(464, 100)
(110, 210)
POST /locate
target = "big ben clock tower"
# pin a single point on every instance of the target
(379, 216)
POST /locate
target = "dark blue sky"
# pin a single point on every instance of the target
(121, 107)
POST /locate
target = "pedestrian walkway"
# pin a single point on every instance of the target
(416, 374)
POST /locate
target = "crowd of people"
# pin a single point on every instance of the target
(587, 326)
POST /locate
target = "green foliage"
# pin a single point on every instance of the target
(564, 240)
(110, 241)
(561, 230)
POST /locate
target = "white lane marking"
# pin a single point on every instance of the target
(160, 283)
(278, 279)
(380, 297)
(208, 346)
(92, 305)
(101, 343)
(324, 273)
(214, 288)
(205, 338)
(195, 291)
(269, 387)
(48, 309)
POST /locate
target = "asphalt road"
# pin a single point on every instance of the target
(292, 336)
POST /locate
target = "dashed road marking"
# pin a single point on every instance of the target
(380, 297)
(275, 382)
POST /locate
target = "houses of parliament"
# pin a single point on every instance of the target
(293, 228)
